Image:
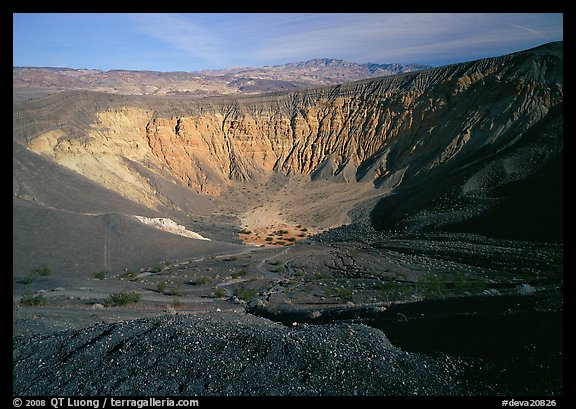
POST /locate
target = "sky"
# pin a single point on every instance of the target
(194, 42)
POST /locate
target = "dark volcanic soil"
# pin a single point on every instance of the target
(226, 354)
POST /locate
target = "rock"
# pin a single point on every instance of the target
(170, 226)
(170, 310)
(525, 289)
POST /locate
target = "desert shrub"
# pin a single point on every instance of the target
(476, 286)
(173, 291)
(431, 287)
(394, 291)
(302, 235)
(317, 275)
(219, 292)
(245, 231)
(343, 293)
(162, 288)
(43, 271)
(291, 239)
(279, 268)
(269, 238)
(239, 273)
(32, 300)
(458, 283)
(303, 229)
(122, 298)
(127, 275)
(203, 280)
(244, 293)
(280, 242)
(28, 279)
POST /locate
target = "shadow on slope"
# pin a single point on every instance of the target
(75, 244)
(514, 193)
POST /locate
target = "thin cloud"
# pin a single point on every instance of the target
(536, 33)
(182, 34)
(401, 37)
(191, 42)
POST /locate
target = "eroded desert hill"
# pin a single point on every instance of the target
(37, 81)
(445, 145)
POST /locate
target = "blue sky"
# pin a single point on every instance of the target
(193, 42)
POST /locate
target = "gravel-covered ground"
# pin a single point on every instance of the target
(226, 354)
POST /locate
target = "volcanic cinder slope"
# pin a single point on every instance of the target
(472, 148)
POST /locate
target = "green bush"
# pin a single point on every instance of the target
(279, 268)
(127, 275)
(431, 287)
(239, 273)
(32, 300)
(203, 280)
(317, 275)
(163, 289)
(122, 298)
(43, 271)
(29, 280)
(394, 291)
(173, 291)
(343, 293)
(269, 238)
(219, 292)
(100, 275)
(244, 293)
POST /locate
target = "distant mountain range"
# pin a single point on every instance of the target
(37, 81)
